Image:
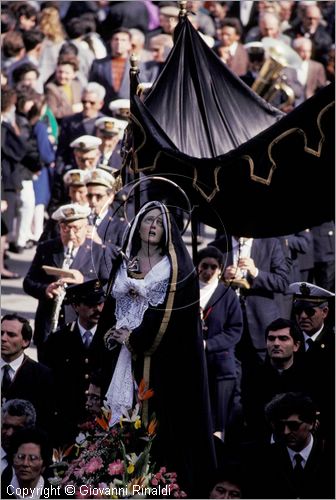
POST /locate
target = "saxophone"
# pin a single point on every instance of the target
(57, 305)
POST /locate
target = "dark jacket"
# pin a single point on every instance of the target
(73, 126)
(92, 260)
(261, 308)
(224, 323)
(72, 365)
(318, 474)
(34, 382)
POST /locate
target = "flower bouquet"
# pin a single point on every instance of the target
(114, 462)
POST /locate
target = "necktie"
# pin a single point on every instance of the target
(298, 469)
(87, 337)
(6, 380)
(309, 343)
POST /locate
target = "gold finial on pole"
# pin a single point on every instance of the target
(183, 8)
(134, 64)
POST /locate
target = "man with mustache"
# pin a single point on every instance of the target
(72, 353)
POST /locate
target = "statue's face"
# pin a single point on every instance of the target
(151, 227)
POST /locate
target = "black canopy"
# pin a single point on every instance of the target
(240, 160)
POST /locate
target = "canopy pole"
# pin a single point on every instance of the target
(134, 72)
(194, 231)
(183, 8)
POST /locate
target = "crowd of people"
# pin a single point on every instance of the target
(241, 340)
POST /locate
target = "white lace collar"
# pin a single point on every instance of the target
(133, 296)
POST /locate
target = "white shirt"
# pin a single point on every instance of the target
(313, 337)
(37, 491)
(4, 461)
(304, 453)
(233, 48)
(302, 73)
(206, 290)
(100, 217)
(14, 366)
(245, 11)
(245, 248)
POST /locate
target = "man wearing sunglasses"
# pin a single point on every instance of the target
(311, 306)
(297, 464)
(86, 157)
(105, 225)
(82, 123)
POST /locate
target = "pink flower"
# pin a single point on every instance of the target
(116, 468)
(78, 473)
(154, 481)
(93, 465)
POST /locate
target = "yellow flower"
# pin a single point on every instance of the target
(130, 469)
(137, 423)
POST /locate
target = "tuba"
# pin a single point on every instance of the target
(271, 80)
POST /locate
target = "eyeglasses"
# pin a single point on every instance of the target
(292, 425)
(88, 102)
(21, 457)
(308, 310)
(98, 196)
(206, 266)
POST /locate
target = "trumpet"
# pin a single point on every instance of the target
(58, 301)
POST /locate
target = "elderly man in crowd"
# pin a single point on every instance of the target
(82, 123)
(15, 414)
(71, 250)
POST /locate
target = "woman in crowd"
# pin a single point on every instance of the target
(153, 310)
(30, 456)
(51, 26)
(63, 90)
(222, 328)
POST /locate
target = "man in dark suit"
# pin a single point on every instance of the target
(282, 372)
(86, 259)
(297, 464)
(257, 269)
(82, 123)
(72, 353)
(23, 377)
(311, 310)
(310, 26)
(112, 72)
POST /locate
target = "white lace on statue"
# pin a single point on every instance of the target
(133, 297)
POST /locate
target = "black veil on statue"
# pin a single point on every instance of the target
(170, 336)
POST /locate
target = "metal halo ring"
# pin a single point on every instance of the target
(158, 178)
